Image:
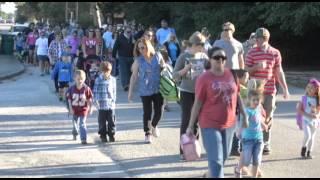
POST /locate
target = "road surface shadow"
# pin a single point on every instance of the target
(67, 170)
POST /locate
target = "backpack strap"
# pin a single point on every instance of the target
(304, 101)
(234, 73)
(236, 79)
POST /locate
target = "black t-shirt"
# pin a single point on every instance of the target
(50, 38)
(26, 31)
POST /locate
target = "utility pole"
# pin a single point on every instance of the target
(66, 12)
(77, 12)
(98, 15)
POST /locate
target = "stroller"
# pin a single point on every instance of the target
(91, 67)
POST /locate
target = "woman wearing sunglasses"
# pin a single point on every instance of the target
(216, 98)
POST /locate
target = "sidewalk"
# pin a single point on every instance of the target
(10, 67)
(300, 78)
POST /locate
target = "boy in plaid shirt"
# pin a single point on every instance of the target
(105, 99)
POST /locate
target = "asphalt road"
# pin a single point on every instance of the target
(36, 140)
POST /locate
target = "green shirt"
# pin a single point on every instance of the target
(243, 92)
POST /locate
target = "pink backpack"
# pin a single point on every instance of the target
(299, 117)
(190, 147)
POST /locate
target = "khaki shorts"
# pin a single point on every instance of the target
(269, 104)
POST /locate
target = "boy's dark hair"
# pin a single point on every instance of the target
(240, 73)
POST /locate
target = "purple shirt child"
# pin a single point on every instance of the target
(74, 42)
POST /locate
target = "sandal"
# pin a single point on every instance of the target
(260, 174)
(237, 172)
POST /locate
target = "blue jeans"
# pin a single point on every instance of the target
(125, 64)
(217, 143)
(82, 126)
(252, 148)
(115, 67)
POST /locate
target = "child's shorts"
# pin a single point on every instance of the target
(252, 149)
(63, 84)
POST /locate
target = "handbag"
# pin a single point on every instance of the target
(190, 147)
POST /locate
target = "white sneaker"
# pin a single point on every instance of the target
(150, 126)
(155, 132)
(148, 139)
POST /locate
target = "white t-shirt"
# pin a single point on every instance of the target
(233, 49)
(162, 34)
(42, 44)
(311, 107)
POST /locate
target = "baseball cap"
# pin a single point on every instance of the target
(65, 54)
(197, 38)
(252, 35)
(262, 32)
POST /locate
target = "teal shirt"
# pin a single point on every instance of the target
(254, 131)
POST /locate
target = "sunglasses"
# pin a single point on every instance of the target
(218, 57)
(200, 44)
(149, 35)
(226, 29)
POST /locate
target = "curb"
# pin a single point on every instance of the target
(14, 74)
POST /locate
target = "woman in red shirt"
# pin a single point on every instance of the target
(216, 99)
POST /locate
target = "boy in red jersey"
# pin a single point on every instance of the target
(79, 104)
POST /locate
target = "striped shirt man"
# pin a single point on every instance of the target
(104, 92)
(272, 58)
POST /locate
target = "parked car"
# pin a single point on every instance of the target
(15, 29)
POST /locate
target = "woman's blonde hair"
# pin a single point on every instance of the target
(147, 45)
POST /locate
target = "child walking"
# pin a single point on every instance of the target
(252, 137)
(63, 69)
(309, 107)
(105, 99)
(79, 104)
(243, 77)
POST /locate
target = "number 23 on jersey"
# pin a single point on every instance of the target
(79, 99)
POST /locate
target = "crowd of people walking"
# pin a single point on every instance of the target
(227, 88)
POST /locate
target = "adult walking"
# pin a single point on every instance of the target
(235, 60)
(31, 42)
(163, 32)
(146, 70)
(187, 69)
(207, 35)
(124, 47)
(249, 44)
(90, 47)
(232, 47)
(173, 48)
(216, 96)
(264, 62)
(42, 53)
(149, 35)
(75, 43)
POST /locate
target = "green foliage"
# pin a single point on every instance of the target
(289, 23)
(53, 11)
